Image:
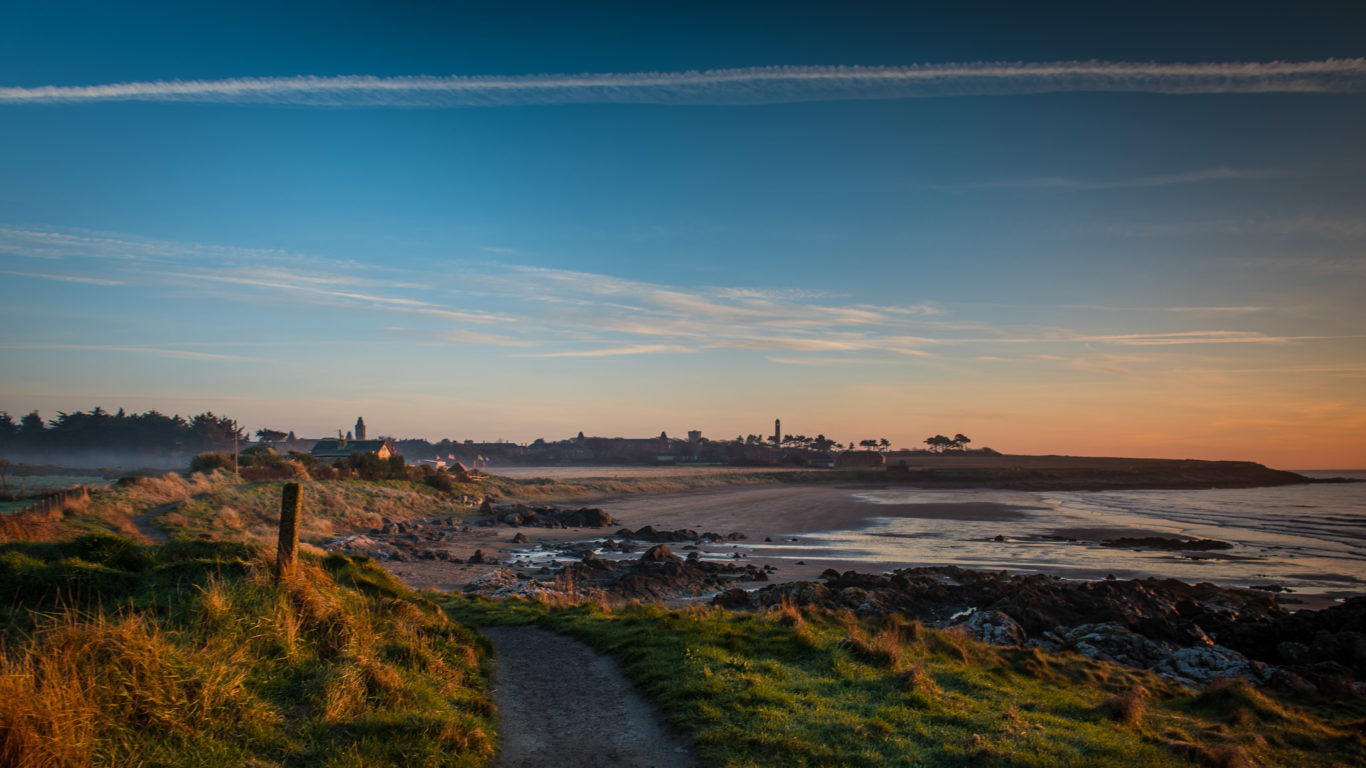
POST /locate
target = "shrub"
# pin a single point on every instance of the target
(440, 481)
(208, 462)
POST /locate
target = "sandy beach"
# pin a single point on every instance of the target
(801, 530)
(776, 521)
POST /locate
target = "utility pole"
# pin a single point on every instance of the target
(234, 449)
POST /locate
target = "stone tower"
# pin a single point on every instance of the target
(777, 431)
(360, 428)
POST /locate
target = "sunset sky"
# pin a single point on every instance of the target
(1081, 230)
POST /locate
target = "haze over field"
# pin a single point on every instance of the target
(1093, 231)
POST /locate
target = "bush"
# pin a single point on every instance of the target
(440, 481)
(266, 458)
(307, 459)
(208, 462)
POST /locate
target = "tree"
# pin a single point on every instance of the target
(5, 464)
(269, 435)
(868, 445)
(884, 443)
(31, 426)
(960, 441)
(938, 443)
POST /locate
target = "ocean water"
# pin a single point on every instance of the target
(1309, 538)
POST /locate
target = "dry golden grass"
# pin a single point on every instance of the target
(1127, 708)
(57, 695)
(236, 668)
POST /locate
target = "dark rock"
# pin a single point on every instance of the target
(734, 599)
(520, 539)
(479, 558)
(658, 554)
(1167, 542)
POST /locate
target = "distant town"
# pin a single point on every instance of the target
(102, 438)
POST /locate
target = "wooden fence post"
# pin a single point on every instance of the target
(291, 502)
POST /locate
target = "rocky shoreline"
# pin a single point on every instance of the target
(1190, 633)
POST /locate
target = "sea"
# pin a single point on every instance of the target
(1305, 539)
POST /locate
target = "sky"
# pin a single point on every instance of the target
(1063, 228)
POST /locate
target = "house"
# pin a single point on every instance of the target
(341, 448)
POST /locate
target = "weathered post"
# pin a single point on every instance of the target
(291, 502)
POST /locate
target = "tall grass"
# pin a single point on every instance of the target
(191, 655)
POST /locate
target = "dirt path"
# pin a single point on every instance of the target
(560, 704)
(151, 532)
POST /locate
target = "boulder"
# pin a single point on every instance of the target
(735, 599)
(1201, 665)
(992, 627)
(1109, 641)
(659, 553)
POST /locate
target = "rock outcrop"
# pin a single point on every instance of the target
(1191, 633)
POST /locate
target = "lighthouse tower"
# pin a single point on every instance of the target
(777, 432)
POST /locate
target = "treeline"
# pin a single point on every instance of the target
(112, 439)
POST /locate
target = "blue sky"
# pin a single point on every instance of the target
(1118, 255)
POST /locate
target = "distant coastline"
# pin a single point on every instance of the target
(1006, 472)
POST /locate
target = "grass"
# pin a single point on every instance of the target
(121, 654)
(331, 508)
(219, 506)
(798, 688)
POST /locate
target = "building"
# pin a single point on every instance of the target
(341, 448)
(360, 428)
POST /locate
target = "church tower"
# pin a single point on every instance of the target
(360, 428)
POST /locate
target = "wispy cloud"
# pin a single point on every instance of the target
(43, 244)
(755, 85)
(63, 278)
(1132, 182)
(830, 362)
(178, 354)
(636, 349)
(1138, 339)
(554, 313)
(488, 339)
(1332, 228)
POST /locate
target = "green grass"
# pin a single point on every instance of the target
(796, 688)
(186, 654)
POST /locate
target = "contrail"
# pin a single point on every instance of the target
(760, 85)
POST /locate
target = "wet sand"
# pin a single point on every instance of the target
(773, 519)
(801, 530)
